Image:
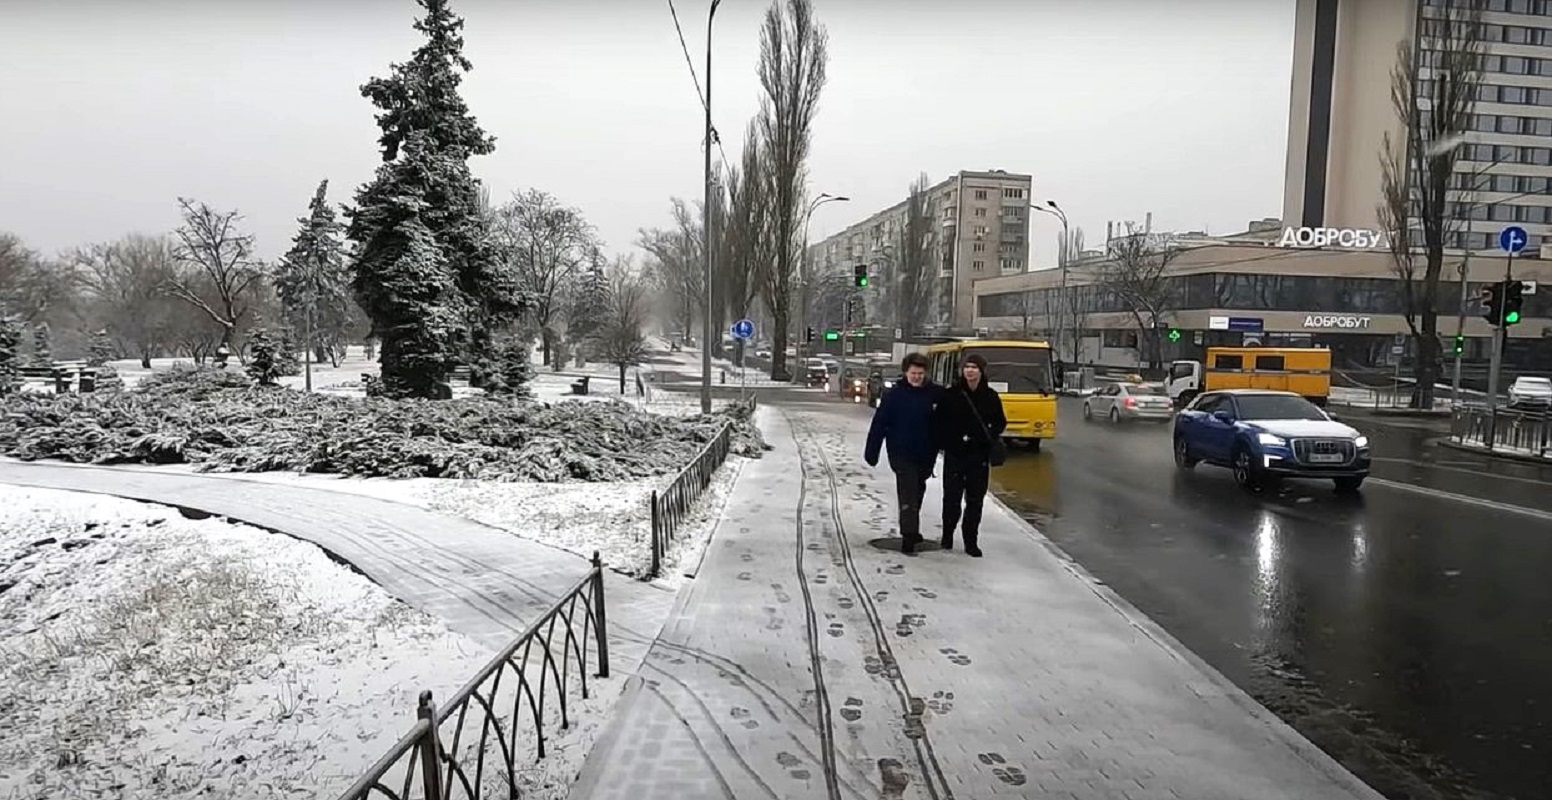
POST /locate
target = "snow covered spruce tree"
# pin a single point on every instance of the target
(42, 345)
(425, 271)
(263, 358)
(313, 282)
(10, 344)
(98, 353)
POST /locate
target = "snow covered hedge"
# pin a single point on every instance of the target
(222, 422)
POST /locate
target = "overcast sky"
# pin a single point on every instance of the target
(111, 110)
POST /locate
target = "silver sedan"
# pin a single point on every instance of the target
(1129, 401)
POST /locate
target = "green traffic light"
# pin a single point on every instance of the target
(1511, 318)
(831, 336)
(862, 281)
(1174, 334)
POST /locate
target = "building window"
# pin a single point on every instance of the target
(981, 231)
(980, 212)
(977, 265)
(979, 247)
(1013, 194)
(980, 194)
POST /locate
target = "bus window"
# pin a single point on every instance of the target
(1270, 363)
(1228, 362)
(1026, 370)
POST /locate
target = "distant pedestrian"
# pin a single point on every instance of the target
(903, 422)
(968, 426)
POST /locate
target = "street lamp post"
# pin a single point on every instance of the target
(1055, 210)
(803, 276)
(706, 229)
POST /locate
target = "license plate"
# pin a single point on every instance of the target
(1326, 458)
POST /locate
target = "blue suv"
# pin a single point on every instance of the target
(1265, 436)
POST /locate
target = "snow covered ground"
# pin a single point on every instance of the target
(148, 655)
(612, 518)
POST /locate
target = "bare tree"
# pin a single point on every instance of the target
(1415, 175)
(793, 56)
(1137, 273)
(914, 282)
(1071, 307)
(126, 279)
(35, 288)
(213, 252)
(619, 338)
(546, 244)
(676, 263)
(746, 249)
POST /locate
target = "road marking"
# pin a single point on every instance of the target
(1467, 499)
(1441, 465)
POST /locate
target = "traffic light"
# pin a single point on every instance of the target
(810, 336)
(1513, 299)
(1460, 343)
(860, 275)
(831, 336)
(1492, 303)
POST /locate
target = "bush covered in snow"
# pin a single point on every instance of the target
(221, 421)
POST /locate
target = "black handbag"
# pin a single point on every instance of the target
(997, 452)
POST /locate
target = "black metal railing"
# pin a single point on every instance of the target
(469, 748)
(1509, 430)
(670, 506)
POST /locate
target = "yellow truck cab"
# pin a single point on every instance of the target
(1303, 370)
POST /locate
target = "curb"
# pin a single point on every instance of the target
(1545, 461)
(1278, 729)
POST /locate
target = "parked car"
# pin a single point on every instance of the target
(854, 384)
(1529, 391)
(1264, 436)
(1120, 402)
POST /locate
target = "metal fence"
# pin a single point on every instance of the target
(673, 503)
(469, 748)
(1527, 432)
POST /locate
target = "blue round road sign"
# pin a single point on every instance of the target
(1512, 239)
(743, 329)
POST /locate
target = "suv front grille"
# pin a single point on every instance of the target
(1303, 449)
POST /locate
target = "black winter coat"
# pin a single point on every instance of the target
(955, 428)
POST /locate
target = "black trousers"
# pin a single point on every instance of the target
(910, 488)
(965, 481)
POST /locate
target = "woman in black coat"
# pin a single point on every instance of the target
(967, 420)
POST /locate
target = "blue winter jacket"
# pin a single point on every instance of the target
(903, 422)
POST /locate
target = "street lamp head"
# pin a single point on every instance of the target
(1052, 203)
(842, 198)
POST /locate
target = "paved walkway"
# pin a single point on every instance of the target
(805, 663)
(482, 582)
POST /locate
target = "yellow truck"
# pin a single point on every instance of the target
(1304, 370)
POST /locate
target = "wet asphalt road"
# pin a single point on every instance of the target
(1406, 631)
(1408, 634)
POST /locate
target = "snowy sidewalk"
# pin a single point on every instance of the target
(480, 581)
(804, 662)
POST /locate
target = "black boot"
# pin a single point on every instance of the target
(972, 545)
(948, 537)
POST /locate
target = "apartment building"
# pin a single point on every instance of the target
(980, 230)
(1340, 112)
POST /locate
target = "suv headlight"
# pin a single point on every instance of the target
(889, 384)
(1362, 442)
(1269, 439)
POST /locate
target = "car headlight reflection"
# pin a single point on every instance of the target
(1269, 439)
(1361, 442)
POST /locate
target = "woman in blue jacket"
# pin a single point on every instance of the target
(903, 423)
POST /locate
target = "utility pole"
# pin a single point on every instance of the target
(706, 229)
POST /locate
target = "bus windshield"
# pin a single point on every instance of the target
(1026, 370)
